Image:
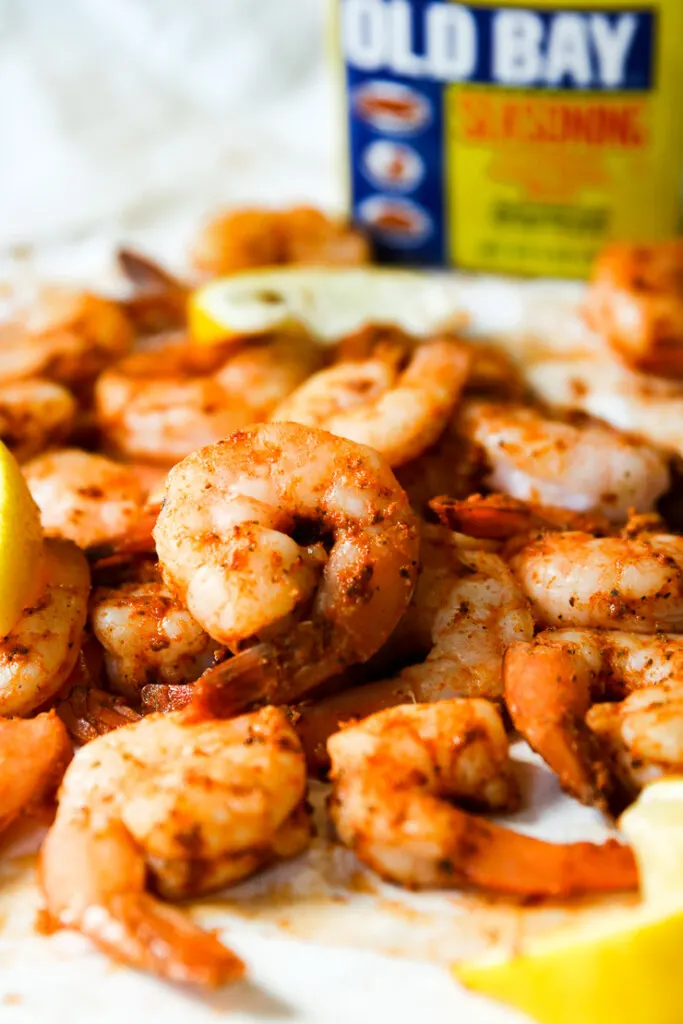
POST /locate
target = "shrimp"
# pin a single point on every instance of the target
(161, 404)
(397, 411)
(147, 636)
(83, 497)
(395, 776)
(643, 405)
(641, 738)
(466, 609)
(39, 653)
(293, 535)
(193, 805)
(34, 754)
(66, 335)
(550, 462)
(88, 712)
(635, 302)
(498, 517)
(551, 683)
(34, 415)
(242, 239)
(575, 579)
(159, 300)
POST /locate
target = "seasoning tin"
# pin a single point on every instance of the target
(510, 137)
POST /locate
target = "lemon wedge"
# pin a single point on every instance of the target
(21, 542)
(624, 966)
(328, 301)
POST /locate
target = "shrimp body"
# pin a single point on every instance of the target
(575, 579)
(227, 543)
(84, 497)
(466, 610)
(260, 238)
(65, 335)
(635, 302)
(161, 404)
(551, 683)
(147, 636)
(399, 413)
(538, 459)
(38, 654)
(34, 754)
(34, 414)
(193, 804)
(395, 777)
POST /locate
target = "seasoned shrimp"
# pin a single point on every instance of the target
(34, 754)
(575, 579)
(260, 238)
(466, 610)
(161, 404)
(34, 415)
(147, 636)
(580, 466)
(397, 411)
(551, 683)
(83, 497)
(498, 517)
(395, 777)
(295, 536)
(66, 335)
(635, 302)
(159, 300)
(641, 738)
(192, 805)
(38, 654)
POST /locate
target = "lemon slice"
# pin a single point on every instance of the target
(626, 965)
(21, 542)
(329, 302)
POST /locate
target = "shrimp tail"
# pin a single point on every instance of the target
(137, 540)
(137, 928)
(226, 689)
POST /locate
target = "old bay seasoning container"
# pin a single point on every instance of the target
(512, 137)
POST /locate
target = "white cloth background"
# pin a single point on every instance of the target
(126, 117)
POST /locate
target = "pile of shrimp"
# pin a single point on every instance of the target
(380, 563)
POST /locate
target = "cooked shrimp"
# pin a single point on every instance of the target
(83, 497)
(161, 404)
(34, 415)
(641, 404)
(293, 535)
(34, 754)
(194, 806)
(575, 579)
(147, 636)
(635, 302)
(159, 300)
(395, 777)
(466, 610)
(581, 466)
(260, 238)
(88, 712)
(397, 411)
(551, 683)
(498, 517)
(66, 335)
(641, 738)
(37, 656)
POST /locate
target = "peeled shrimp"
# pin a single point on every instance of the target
(551, 683)
(395, 777)
(635, 302)
(295, 536)
(398, 412)
(65, 335)
(466, 609)
(189, 805)
(83, 497)
(34, 414)
(585, 467)
(260, 238)
(159, 405)
(147, 636)
(37, 656)
(575, 579)
(34, 754)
